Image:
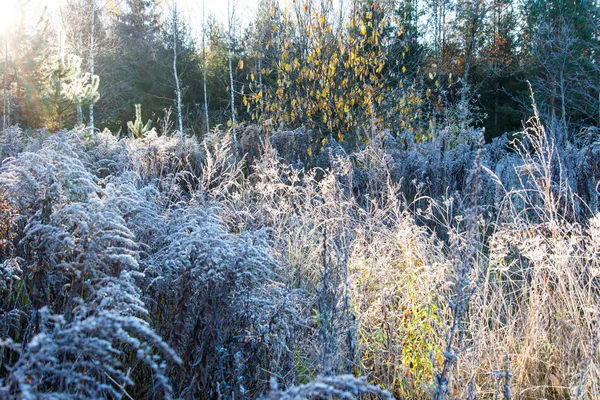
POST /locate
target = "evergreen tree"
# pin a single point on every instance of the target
(133, 76)
(85, 24)
(405, 50)
(561, 46)
(498, 71)
(28, 51)
(217, 71)
(66, 89)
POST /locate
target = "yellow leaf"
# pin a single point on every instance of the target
(241, 64)
(363, 29)
(309, 151)
(403, 69)
(274, 28)
(252, 77)
(440, 359)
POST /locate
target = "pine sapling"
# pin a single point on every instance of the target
(137, 127)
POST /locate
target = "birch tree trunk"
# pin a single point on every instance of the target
(178, 87)
(204, 67)
(92, 50)
(230, 14)
(260, 84)
(6, 115)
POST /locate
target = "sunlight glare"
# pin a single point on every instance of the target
(9, 14)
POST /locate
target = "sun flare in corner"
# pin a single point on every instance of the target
(9, 14)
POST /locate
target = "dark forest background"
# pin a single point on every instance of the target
(416, 65)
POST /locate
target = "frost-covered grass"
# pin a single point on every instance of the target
(167, 267)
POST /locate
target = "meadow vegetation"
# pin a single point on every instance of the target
(164, 266)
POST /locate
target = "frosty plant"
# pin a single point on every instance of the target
(137, 127)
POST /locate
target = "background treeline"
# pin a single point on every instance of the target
(416, 65)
